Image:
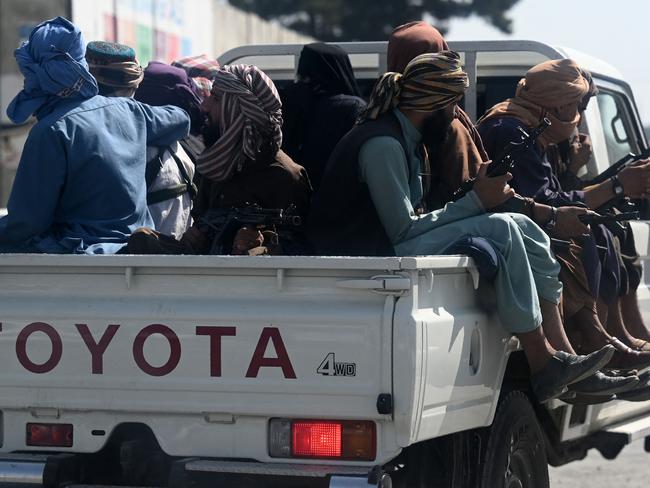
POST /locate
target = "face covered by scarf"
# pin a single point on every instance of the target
(327, 70)
(461, 154)
(430, 83)
(552, 89)
(250, 119)
(52, 62)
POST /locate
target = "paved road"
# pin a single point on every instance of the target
(630, 470)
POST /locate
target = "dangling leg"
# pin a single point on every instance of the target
(527, 268)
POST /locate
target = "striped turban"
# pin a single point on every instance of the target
(250, 120)
(430, 82)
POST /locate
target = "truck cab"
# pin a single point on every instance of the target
(296, 371)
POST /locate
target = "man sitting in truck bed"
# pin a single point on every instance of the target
(169, 169)
(80, 185)
(556, 89)
(372, 183)
(242, 164)
(567, 158)
(460, 155)
(462, 152)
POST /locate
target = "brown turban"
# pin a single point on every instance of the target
(552, 89)
(460, 156)
(409, 41)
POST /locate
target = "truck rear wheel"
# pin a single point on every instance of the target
(515, 456)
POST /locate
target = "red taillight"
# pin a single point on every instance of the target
(324, 439)
(49, 435)
(316, 439)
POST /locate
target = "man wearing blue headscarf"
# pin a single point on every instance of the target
(80, 185)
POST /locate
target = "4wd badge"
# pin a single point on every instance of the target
(330, 367)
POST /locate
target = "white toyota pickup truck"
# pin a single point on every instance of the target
(295, 371)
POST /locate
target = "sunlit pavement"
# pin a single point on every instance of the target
(630, 470)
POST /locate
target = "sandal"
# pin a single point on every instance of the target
(640, 345)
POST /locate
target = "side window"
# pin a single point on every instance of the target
(620, 136)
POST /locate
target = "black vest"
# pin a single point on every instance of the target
(343, 219)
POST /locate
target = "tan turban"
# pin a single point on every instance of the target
(552, 89)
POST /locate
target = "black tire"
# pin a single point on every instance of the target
(516, 455)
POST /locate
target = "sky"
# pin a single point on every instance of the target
(616, 31)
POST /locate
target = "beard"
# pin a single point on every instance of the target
(436, 130)
(210, 132)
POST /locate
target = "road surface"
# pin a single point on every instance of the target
(630, 470)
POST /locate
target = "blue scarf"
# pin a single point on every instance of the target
(54, 67)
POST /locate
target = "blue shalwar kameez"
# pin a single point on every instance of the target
(80, 185)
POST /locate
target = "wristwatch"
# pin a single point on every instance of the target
(549, 226)
(617, 188)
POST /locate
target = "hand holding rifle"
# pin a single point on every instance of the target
(635, 179)
(570, 222)
(506, 161)
(492, 191)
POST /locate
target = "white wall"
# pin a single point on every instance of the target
(161, 30)
(155, 27)
(233, 28)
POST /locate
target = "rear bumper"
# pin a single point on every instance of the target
(352, 482)
(37, 470)
(24, 471)
(51, 471)
(326, 476)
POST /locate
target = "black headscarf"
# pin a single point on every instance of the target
(328, 68)
(320, 108)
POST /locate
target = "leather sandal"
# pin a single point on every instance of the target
(600, 384)
(638, 394)
(628, 360)
(640, 345)
(563, 369)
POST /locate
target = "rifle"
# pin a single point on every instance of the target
(588, 219)
(506, 161)
(618, 166)
(223, 224)
(562, 245)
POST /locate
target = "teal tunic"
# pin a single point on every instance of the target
(527, 269)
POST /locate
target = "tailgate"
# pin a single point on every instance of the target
(242, 336)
